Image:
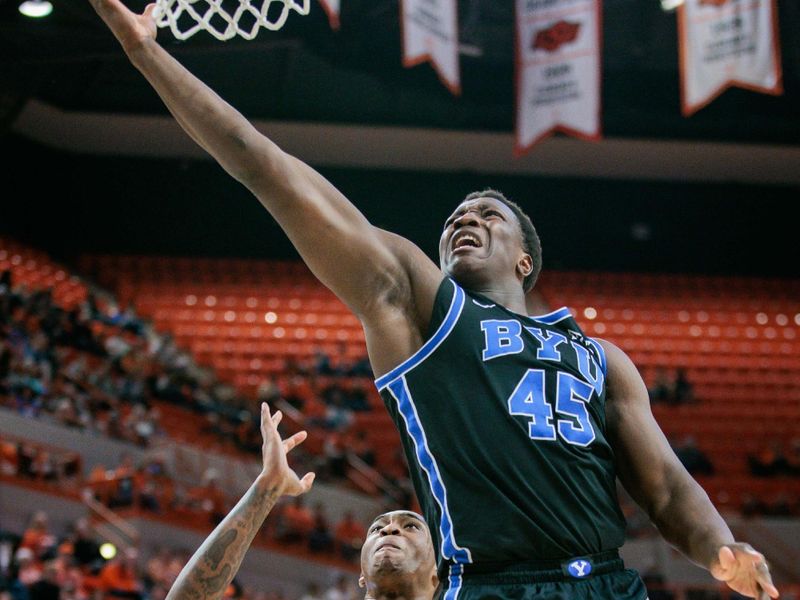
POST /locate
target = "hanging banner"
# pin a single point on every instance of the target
(430, 33)
(557, 70)
(331, 8)
(725, 43)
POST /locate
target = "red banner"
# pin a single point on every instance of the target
(725, 43)
(331, 8)
(558, 66)
(430, 34)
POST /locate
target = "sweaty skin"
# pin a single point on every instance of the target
(391, 285)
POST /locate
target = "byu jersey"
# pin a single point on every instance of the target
(502, 419)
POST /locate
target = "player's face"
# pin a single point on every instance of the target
(397, 552)
(481, 243)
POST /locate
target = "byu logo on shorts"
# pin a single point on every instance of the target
(579, 568)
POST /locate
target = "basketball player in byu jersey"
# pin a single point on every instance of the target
(515, 427)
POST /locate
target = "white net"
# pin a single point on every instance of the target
(225, 19)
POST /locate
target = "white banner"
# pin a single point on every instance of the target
(430, 33)
(331, 8)
(558, 70)
(726, 43)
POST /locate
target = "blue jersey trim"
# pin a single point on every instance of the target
(601, 352)
(405, 404)
(454, 582)
(449, 322)
(553, 317)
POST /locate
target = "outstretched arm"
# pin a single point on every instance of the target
(675, 502)
(363, 265)
(211, 569)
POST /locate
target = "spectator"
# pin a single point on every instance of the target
(769, 462)
(297, 521)
(269, 392)
(210, 498)
(343, 589)
(84, 548)
(46, 587)
(335, 456)
(362, 449)
(661, 388)
(695, 461)
(312, 592)
(37, 537)
(119, 577)
(125, 484)
(29, 568)
(320, 538)
(683, 391)
(349, 535)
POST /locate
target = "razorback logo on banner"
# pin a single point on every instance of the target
(558, 70)
(726, 43)
(552, 38)
(331, 8)
(430, 34)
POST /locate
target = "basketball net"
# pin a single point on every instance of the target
(225, 19)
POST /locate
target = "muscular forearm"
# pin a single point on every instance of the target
(213, 566)
(213, 123)
(689, 521)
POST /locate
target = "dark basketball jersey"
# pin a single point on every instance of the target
(502, 419)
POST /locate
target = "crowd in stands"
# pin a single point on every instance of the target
(147, 488)
(41, 565)
(773, 461)
(102, 368)
(674, 389)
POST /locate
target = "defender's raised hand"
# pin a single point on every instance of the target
(274, 450)
(745, 571)
(130, 29)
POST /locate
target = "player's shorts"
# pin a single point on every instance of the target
(595, 577)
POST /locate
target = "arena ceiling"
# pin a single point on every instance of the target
(343, 99)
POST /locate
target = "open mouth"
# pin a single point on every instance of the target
(466, 240)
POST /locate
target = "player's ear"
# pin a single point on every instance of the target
(525, 265)
(362, 583)
(434, 579)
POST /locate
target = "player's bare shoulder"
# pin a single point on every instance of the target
(396, 322)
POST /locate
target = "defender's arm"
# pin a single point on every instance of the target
(211, 569)
(363, 265)
(675, 502)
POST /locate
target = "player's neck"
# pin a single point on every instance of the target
(509, 297)
(398, 591)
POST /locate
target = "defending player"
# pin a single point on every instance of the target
(397, 559)
(512, 425)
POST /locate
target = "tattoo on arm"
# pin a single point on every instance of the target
(216, 562)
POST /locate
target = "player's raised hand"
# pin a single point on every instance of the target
(274, 451)
(130, 29)
(745, 571)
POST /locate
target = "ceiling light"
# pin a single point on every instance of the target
(36, 8)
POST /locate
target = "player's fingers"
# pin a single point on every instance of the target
(764, 579)
(264, 416)
(277, 417)
(727, 560)
(306, 482)
(297, 439)
(149, 10)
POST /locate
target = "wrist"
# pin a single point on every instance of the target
(138, 50)
(271, 482)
